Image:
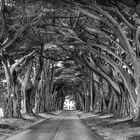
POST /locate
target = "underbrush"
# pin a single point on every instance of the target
(113, 128)
(10, 126)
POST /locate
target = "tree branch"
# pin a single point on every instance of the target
(2, 17)
(137, 41)
(125, 20)
(125, 77)
(114, 25)
(19, 32)
(28, 56)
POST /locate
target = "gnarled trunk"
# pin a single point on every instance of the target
(13, 103)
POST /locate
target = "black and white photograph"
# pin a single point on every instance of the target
(69, 69)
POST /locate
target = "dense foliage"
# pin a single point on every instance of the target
(84, 48)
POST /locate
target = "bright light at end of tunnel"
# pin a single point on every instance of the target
(69, 104)
(59, 64)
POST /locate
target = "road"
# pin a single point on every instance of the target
(65, 126)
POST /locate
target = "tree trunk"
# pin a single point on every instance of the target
(87, 101)
(16, 108)
(39, 97)
(24, 92)
(13, 102)
(8, 110)
(28, 102)
(110, 106)
(91, 91)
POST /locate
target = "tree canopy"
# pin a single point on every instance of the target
(86, 48)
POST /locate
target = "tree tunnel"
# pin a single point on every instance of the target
(88, 50)
(67, 83)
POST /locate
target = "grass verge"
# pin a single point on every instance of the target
(112, 128)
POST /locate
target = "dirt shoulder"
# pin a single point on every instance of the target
(112, 128)
(12, 126)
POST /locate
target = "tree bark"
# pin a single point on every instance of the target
(13, 104)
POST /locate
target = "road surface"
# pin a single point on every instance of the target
(65, 126)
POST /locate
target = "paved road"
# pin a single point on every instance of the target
(66, 126)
